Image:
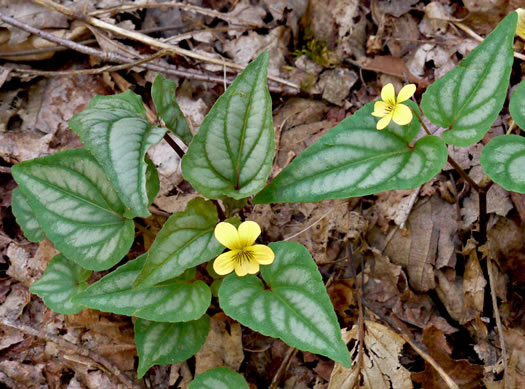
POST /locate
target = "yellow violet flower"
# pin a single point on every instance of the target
(520, 30)
(245, 256)
(391, 109)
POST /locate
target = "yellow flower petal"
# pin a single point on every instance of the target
(262, 254)
(388, 94)
(225, 263)
(406, 92)
(402, 115)
(381, 109)
(384, 122)
(248, 232)
(241, 268)
(520, 30)
(228, 236)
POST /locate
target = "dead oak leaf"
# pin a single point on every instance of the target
(380, 369)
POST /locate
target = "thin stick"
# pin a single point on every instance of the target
(64, 343)
(186, 7)
(148, 40)
(418, 349)
(174, 145)
(480, 39)
(5, 170)
(284, 366)
(492, 283)
(114, 57)
(310, 226)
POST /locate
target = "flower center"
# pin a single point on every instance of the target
(243, 255)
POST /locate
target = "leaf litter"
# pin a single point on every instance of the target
(412, 261)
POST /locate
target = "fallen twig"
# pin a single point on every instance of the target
(186, 7)
(113, 57)
(492, 284)
(5, 170)
(473, 34)
(122, 377)
(284, 366)
(148, 40)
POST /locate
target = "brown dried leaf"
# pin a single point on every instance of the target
(465, 374)
(223, 345)
(380, 369)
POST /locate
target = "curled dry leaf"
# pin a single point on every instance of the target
(380, 369)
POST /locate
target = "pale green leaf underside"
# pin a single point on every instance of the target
(77, 207)
(503, 159)
(467, 100)
(172, 301)
(219, 378)
(25, 217)
(232, 153)
(62, 280)
(163, 94)
(517, 105)
(296, 308)
(186, 240)
(117, 133)
(355, 159)
(168, 343)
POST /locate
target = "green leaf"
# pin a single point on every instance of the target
(517, 105)
(62, 280)
(117, 133)
(219, 378)
(503, 159)
(233, 151)
(163, 94)
(172, 301)
(296, 308)
(168, 343)
(25, 217)
(355, 159)
(152, 181)
(186, 240)
(467, 100)
(77, 207)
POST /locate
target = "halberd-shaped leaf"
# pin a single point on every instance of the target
(186, 240)
(77, 207)
(517, 105)
(172, 301)
(355, 159)
(467, 100)
(163, 94)
(296, 308)
(25, 217)
(168, 343)
(503, 159)
(232, 152)
(115, 130)
(62, 280)
(219, 378)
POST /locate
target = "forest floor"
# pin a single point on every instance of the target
(413, 274)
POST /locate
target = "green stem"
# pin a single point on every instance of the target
(421, 121)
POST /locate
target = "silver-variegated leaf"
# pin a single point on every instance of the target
(25, 217)
(295, 307)
(232, 153)
(168, 343)
(517, 105)
(219, 378)
(355, 159)
(163, 94)
(503, 159)
(77, 207)
(116, 131)
(62, 280)
(468, 99)
(172, 301)
(185, 240)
